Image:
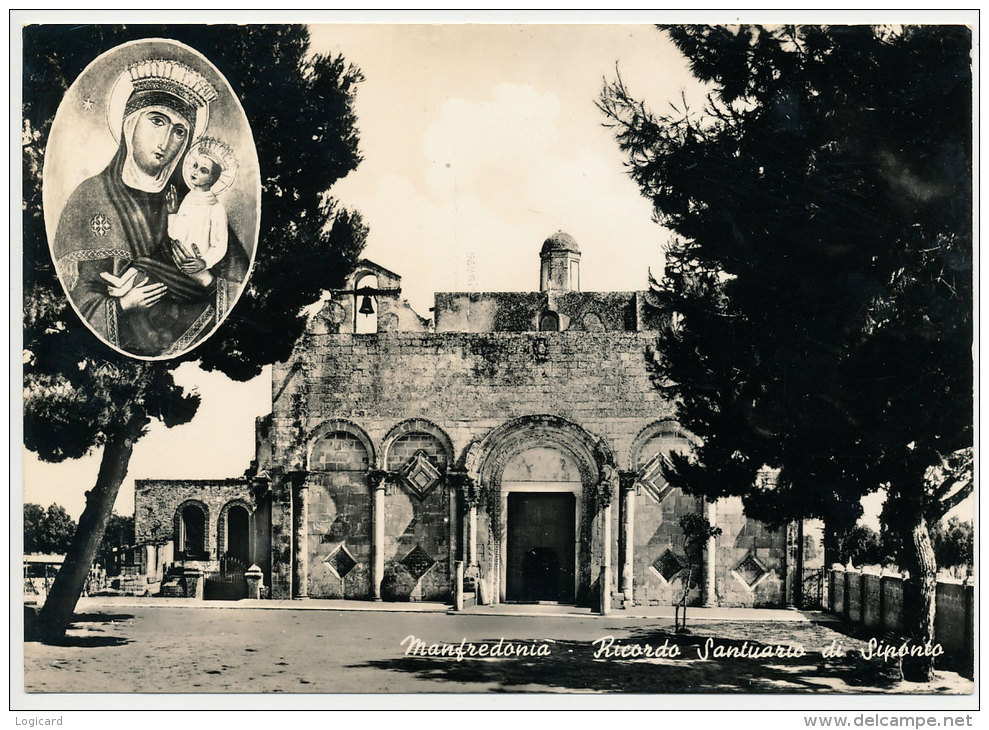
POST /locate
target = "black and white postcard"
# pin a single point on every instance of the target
(558, 361)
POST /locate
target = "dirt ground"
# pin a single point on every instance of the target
(234, 650)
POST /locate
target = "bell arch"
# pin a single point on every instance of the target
(365, 303)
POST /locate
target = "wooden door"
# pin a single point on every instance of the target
(540, 560)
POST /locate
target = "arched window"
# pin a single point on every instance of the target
(238, 534)
(549, 322)
(192, 532)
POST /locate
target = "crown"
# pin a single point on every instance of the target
(218, 151)
(174, 77)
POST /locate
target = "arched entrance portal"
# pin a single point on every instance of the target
(538, 539)
(541, 487)
(239, 534)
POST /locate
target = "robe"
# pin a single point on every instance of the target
(201, 222)
(109, 227)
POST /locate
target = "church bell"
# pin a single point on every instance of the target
(366, 306)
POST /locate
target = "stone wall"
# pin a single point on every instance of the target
(520, 311)
(339, 532)
(466, 385)
(417, 525)
(874, 599)
(659, 549)
(751, 559)
(157, 501)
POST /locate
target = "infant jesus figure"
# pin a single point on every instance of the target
(199, 225)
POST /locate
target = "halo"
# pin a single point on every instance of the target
(227, 176)
(116, 101)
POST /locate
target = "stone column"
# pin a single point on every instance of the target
(798, 584)
(151, 565)
(458, 585)
(470, 493)
(606, 561)
(605, 495)
(792, 577)
(711, 556)
(377, 478)
(301, 514)
(626, 583)
(472, 535)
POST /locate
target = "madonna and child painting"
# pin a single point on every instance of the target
(151, 196)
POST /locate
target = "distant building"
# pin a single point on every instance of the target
(516, 432)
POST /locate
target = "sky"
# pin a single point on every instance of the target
(479, 142)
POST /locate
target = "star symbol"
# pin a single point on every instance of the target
(88, 104)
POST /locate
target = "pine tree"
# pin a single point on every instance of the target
(820, 274)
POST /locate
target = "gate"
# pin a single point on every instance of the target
(812, 588)
(226, 584)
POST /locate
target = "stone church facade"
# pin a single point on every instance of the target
(515, 435)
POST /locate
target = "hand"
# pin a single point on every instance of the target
(144, 296)
(172, 200)
(189, 262)
(122, 284)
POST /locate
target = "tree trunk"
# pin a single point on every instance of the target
(682, 603)
(71, 578)
(920, 593)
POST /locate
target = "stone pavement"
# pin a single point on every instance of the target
(502, 609)
(167, 650)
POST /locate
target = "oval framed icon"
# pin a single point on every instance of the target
(152, 198)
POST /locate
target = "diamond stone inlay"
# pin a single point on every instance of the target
(668, 565)
(750, 571)
(341, 561)
(652, 479)
(420, 475)
(418, 562)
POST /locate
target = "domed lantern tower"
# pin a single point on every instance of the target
(560, 258)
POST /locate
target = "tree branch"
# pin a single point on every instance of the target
(941, 507)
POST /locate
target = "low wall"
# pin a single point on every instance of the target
(873, 598)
